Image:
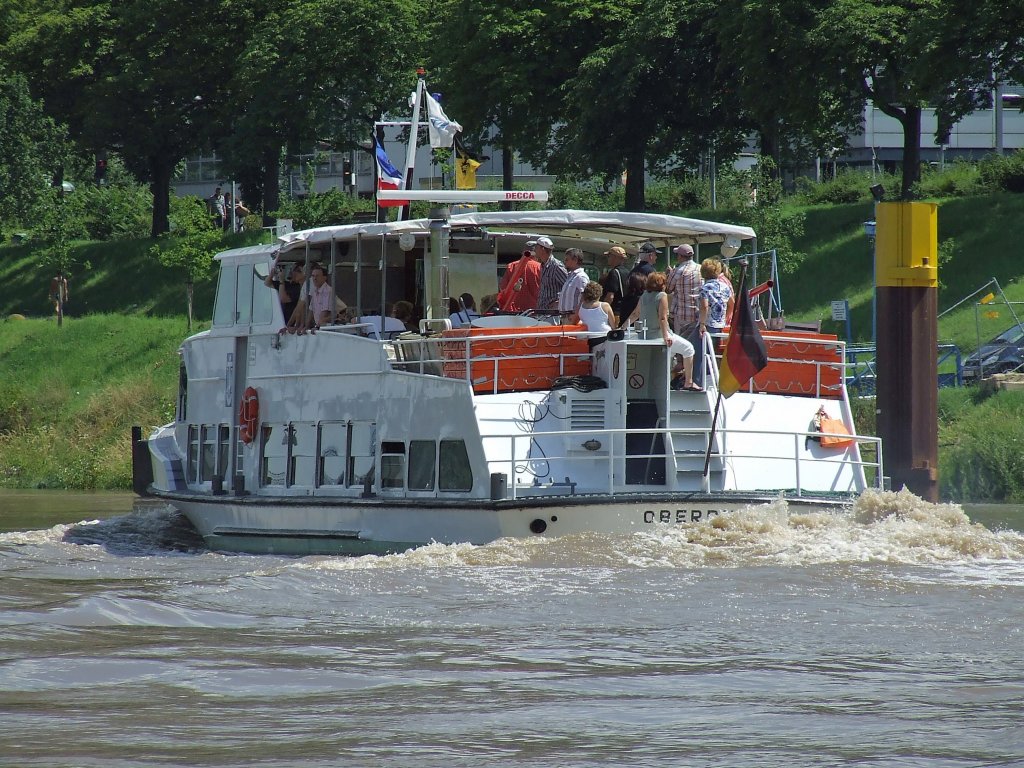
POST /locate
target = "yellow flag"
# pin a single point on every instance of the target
(988, 299)
(465, 172)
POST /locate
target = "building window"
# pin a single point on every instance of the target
(454, 471)
(392, 464)
(333, 444)
(422, 460)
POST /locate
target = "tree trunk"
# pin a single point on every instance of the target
(271, 184)
(507, 175)
(160, 169)
(635, 181)
(911, 122)
(60, 307)
(188, 296)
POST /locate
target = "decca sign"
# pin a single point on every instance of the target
(464, 195)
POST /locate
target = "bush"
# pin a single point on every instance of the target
(685, 195)
(591, 194)
(960, 179)
(1002, 174)
(321, 209)
(116, 212)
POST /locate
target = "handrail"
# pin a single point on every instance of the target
(516, 464)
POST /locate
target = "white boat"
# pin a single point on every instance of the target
(510, 428)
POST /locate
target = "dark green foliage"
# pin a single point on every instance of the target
(321, 209)
(1003, 174)
(981, 440)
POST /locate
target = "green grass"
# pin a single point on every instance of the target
(69, 396)
(122, 277)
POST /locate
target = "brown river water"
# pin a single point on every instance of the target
(887, 636)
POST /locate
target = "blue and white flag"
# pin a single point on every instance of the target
(442, 130)
(388, 177)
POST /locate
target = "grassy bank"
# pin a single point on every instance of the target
(69, 396)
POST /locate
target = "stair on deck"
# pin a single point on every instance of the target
(692, 410)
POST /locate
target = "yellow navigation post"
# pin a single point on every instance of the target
(907, 278)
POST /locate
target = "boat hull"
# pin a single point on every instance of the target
(300, 526)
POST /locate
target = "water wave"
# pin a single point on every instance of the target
(882, 527)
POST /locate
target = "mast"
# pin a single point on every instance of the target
(414, 129)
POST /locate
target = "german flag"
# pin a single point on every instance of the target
(745, 352)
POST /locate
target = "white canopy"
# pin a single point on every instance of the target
(614, 228)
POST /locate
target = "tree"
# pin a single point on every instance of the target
(192, 244)
(829, 57)
(60, 222)
(31, 152)
(317, 70)
(142, 78)
(649, 96)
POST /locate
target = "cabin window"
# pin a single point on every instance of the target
(274, 450)
(361, 438)
(454, 471)
(243, 297)
(333, 440)
(302, 460)
(262, 299)
(392, 464)
(208, 454)
(192, 455)
(422, 460)
(224, 308)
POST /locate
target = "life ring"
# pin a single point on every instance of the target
(248, 415)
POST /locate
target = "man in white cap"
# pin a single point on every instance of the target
(683, 288)
(552, 274)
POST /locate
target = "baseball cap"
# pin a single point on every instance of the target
(616, 250)
(683, 250)
(545, 242)
(648, 248)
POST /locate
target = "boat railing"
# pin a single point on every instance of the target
(500, 361)
(519, 458)
(797, 365)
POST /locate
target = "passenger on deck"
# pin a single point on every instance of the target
(597, 315)
(552, 274)
(465, 313)
(289, 289)
(645, 261)
(636, 282)
(404, 312)
(683, 288)
(388, 327)
(520, 285)
(571, 295)
(322, 303)
(615, 281)
(716, 302)
(653, 309)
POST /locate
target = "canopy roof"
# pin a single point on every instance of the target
(614, 228)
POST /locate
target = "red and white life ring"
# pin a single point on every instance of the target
(248, 415)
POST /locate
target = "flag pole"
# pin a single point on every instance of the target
(718, 400)
(414, 129)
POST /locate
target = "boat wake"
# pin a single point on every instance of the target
(151, 528)
(882, 528)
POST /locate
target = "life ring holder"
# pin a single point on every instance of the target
(248, 415)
